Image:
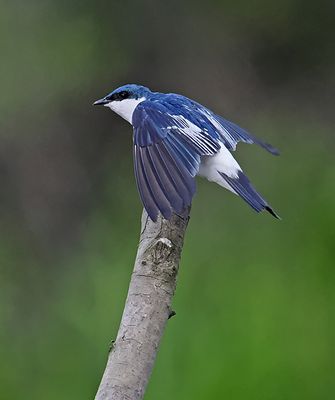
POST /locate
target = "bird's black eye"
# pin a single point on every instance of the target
(123, 95)
(118, 96)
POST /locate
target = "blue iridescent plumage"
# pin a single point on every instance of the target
(175, 139)
(165, 156)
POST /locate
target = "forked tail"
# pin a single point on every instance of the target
(242, 186)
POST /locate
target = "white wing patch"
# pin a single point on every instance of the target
(196, 135)
(221, 129)
(125, 108)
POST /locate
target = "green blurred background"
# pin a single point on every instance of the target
(255, 300)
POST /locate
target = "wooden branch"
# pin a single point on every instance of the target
(147, 309)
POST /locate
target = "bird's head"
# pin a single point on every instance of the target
(125, 99)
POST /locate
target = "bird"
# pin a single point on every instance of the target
(175, 139)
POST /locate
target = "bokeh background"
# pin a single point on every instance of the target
(255, 300)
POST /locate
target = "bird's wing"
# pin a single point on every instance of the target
(230, 133)
(167, 150)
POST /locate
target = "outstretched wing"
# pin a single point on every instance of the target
(167, 150)
(230, 133)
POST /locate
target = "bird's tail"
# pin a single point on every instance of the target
(242, 186)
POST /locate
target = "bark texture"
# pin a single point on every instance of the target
(147, 309)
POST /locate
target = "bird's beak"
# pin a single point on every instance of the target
(100, 102)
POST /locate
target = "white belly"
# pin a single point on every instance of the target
(223, 161)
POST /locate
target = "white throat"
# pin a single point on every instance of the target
(125, 108)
